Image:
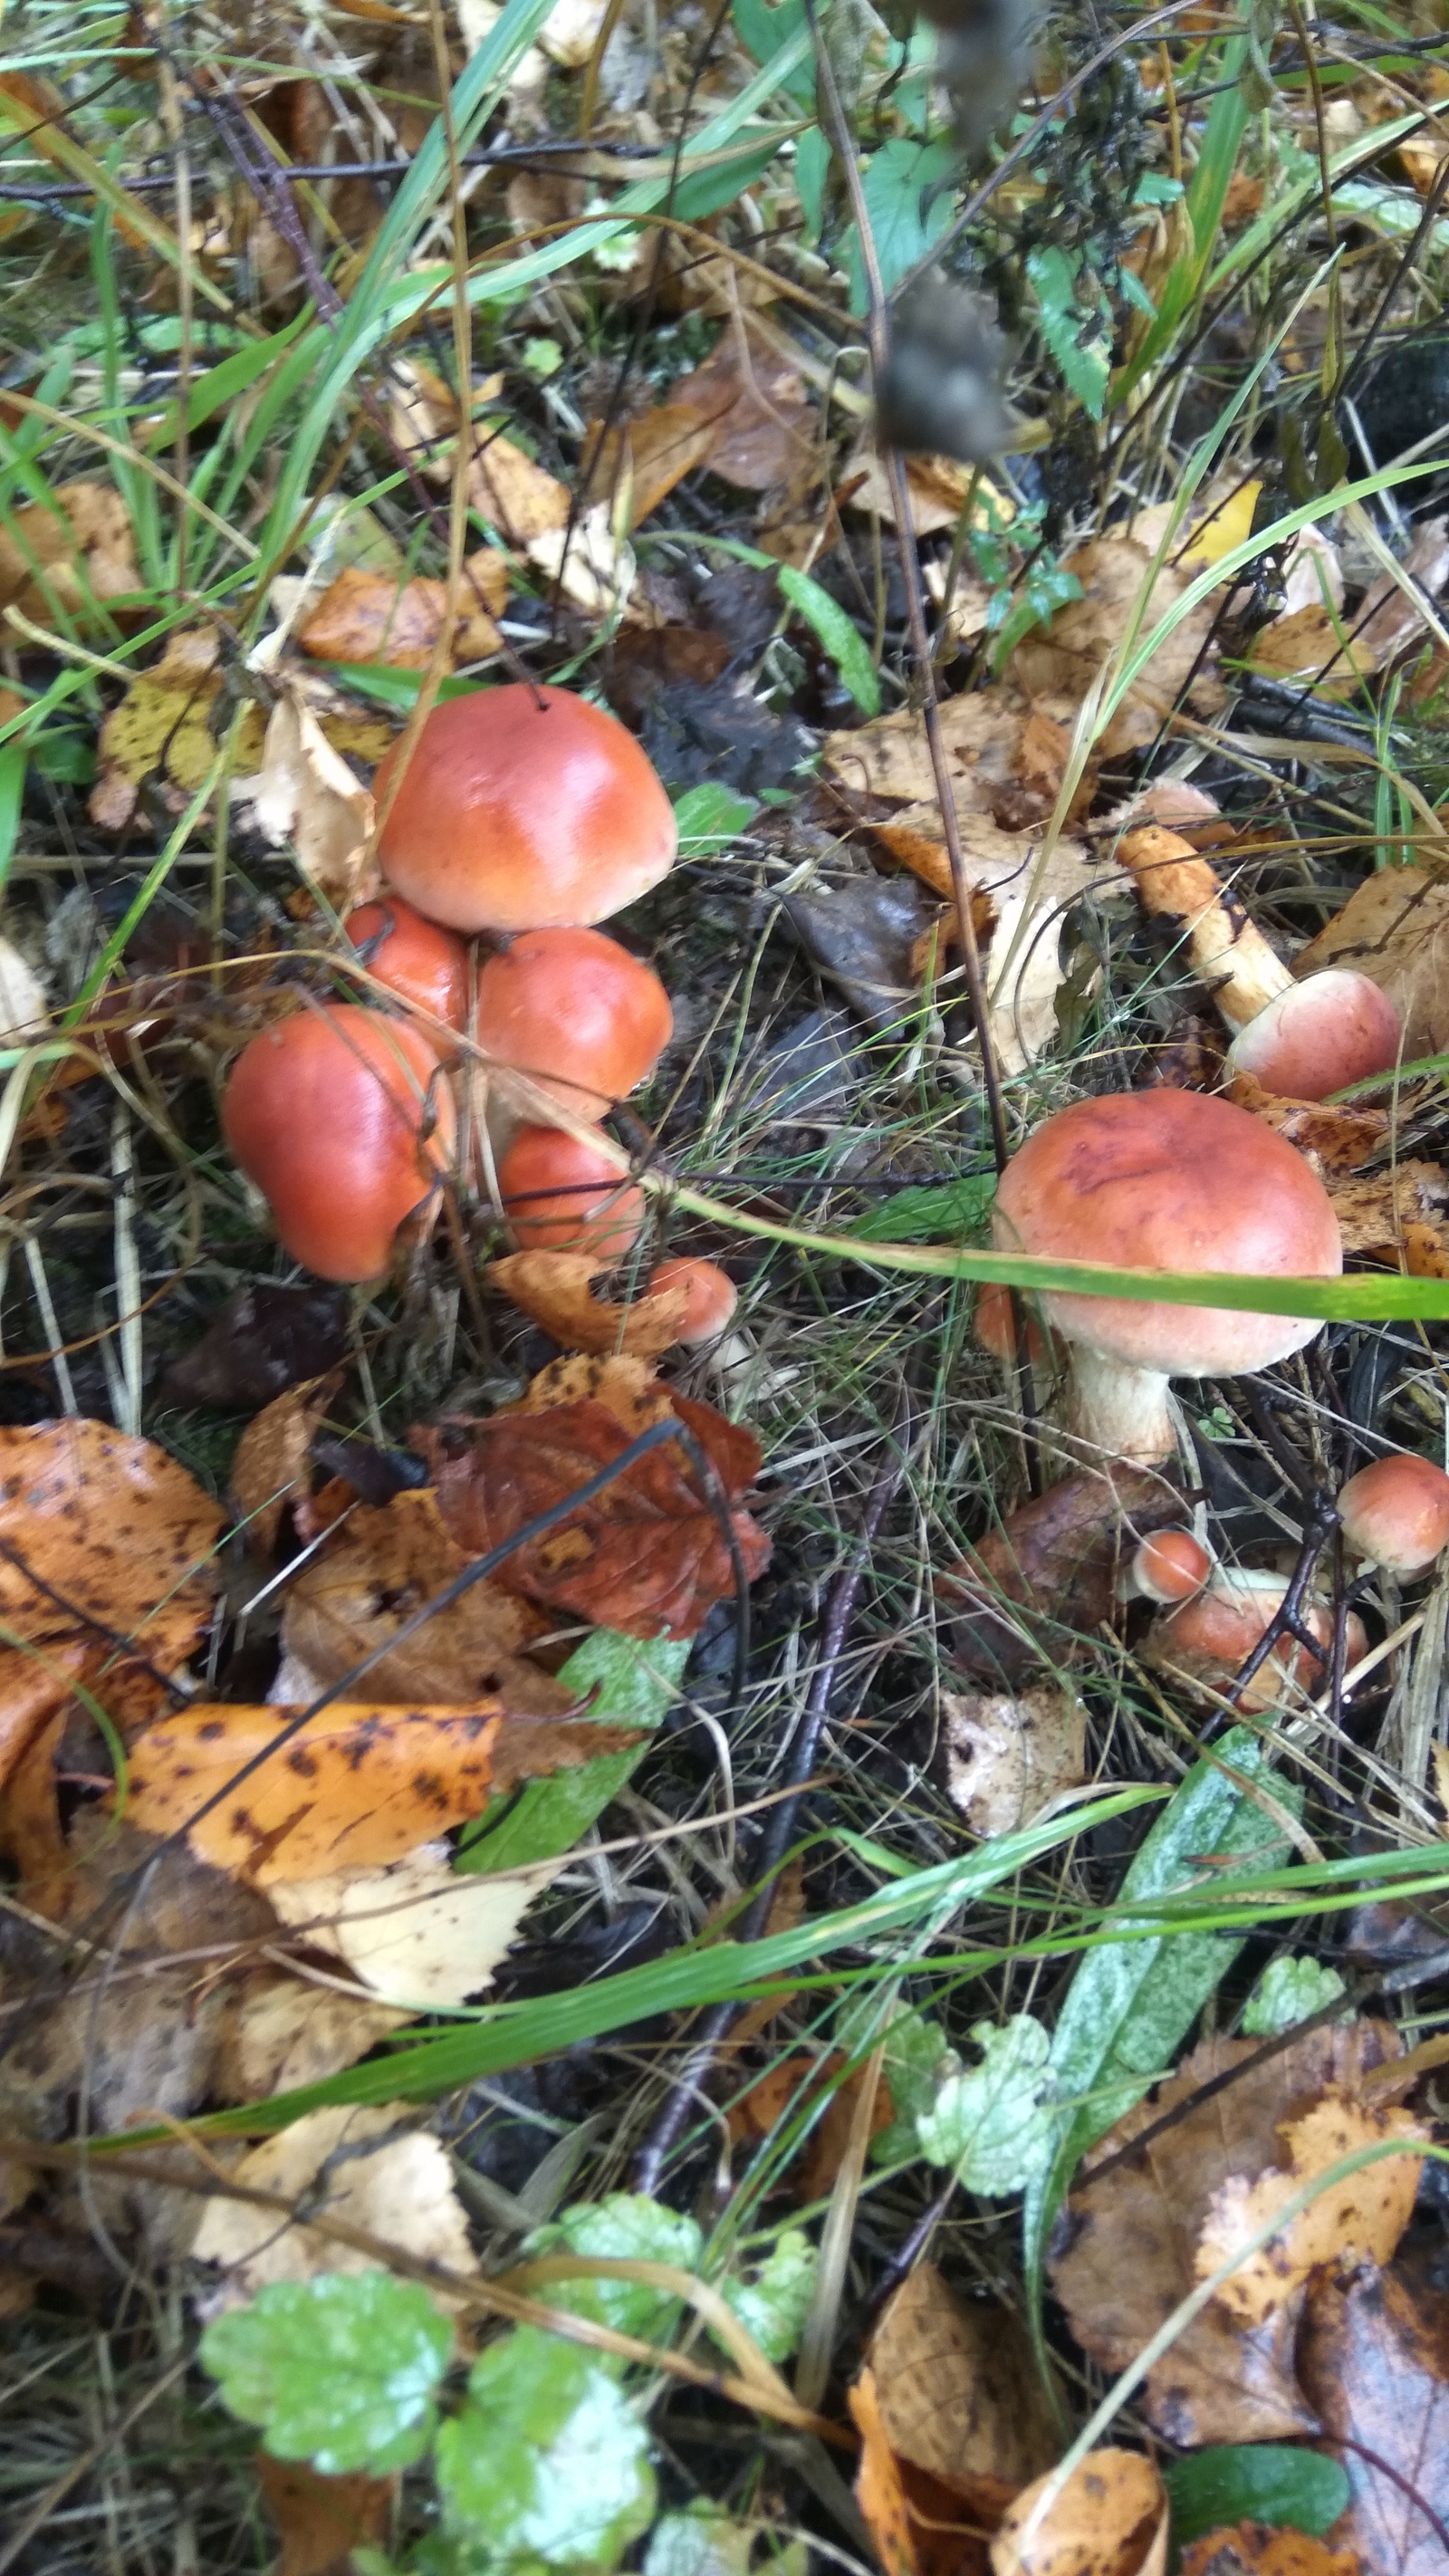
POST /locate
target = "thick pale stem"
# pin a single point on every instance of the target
(1120, 1410)
(1176, 884)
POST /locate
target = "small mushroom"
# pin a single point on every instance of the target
(1396, 1513)
(1163, 1180)
(523, 808)
(561, 1195)
(577, 1012)
(416, 959)
(710, 1296)
(995, 1330)
(1171, 1565)
(341, 1120)
(1209, 1638)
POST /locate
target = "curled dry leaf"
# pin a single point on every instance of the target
(1059, 663)
(1260, 2549)
(61, 559)
(306, 794)
(416, 1932)
(1360, 2219)
(1395, 929)
(647, 1555)
(356, 1786)
(1110, 2519)
(554, 1288)
(1122, 2257)
(1044, 1582)
(919, 2526)
(372, 617)
(959, 2392)
(382, 1567)
(367, 2168)
(273, 1462)
(1375, 2365)
(1007, 1759)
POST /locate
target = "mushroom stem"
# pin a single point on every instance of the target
(1175, 883)
(1115, 1407)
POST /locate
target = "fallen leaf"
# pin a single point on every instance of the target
(305, 793)
(866, 932)
(643, 459)
(1426, 1251)
(370, 2168)
(1335, 1140)
(890, 758)
(265, 1339)
(1375, 1211)
(1313, 646)
(1042, 1584)
(1110, 2519)
(960, 2393)
(1389, 621)
(937, 487)
(1360, 2219)
(320, 2521)
(273, 1461)
(356, 1786)
(791, 2086)
(919, 2527)
(60, 560)
(1374, 2361)
(169, 725)
(415, 1932)
(1007, 1759)
(519, 498)
(554, 1289)
(24, 1010)
(1122, 2257)
(587, 563)
(1395, 929)
(762, 426)
(371, 617)
(1061, 662)
(1260, 2549)
(647, 1555)
(377, 1572)
(283, 2031)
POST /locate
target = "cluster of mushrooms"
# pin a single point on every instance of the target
(527, 815)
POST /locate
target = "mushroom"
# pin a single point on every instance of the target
(561, 1195)
(710, 1296)
(413, 957)
(523, 808)
(1163, 1180)
(1171, 1565)
(1299, 1040)
(1209, 1638)
(995, 1329)
(577, 1012)
(339, 1117)
(1396, 1512)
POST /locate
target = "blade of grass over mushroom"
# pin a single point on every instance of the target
(626, 1682)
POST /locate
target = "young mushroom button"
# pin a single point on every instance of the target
(1163, 1180)
(1396, 1513)
(561, 1195)
(523, 808)
(576, 1011)
(415, 959)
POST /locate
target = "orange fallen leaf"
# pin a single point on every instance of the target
(1338, 1140)
(1256, 2549)
(1377, 1211)
(62, 559)
(1110, 2519)
(762, 425)
(273, 1462)
(356, 1786)
(648, 456)
(787, 2088)
(371, 617)
(554, 1288)
(960, 2393)
(1360, 2219)
(521, 499)
(918, 2526)
(320, 2521)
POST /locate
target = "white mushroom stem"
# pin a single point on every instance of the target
(1115, 1407)
(1175, 883)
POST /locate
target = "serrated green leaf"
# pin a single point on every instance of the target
(709, 817)
(774, 2306)
(909, 206)
(547, 2462)
(828, 620)
(1287, 1992)
(1253, 2482)
(626, 1681)
(1132, 2003)
(340, 2370)
(948, 1212)
(992, 2124)
(918, 2058)
(1079, 338)
(701, 2542)
(627, 2227)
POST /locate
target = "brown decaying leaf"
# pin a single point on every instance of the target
(320, 2521)
(355, 1787)
(372, 617)
(1336, 1140)
(379, 1570)
(1376, 1211)
(373, 2168)
(936, 487)
(1005, 760)
(647, 1556)
(554, 1288)
(919, 2527)
(1007, 1759)
(762, 426)
(1375, 2364)
(1395, 929)
(1123, 2255)
(785, 2090)
(305, 793)
(521, 499)
(57, 563)
(1360, 2219)
(163, 725)
(1110, 2519)
(1256, 2549)
(960, 2393)
(1060, 663)
(273, 1462)
(282, 2031)
(647, 456)
(1040, 1586)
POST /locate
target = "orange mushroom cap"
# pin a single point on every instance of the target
(710, 1295)
(1211, 1636)
(414, 958)
(575, 1010)
(524, 808)
(339, 1117)
(1171, 1565)
(1163, 1180)
(560, 1195)
(1396, 1512)
(995, 1331)
(1332, 1029)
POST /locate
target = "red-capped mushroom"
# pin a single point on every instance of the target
(1209, 1638)
(1163, 1180)
(342, 1121)
(1333, 1029)
(995, 1329)
(1171, 1565)
(1396, 1513)
(710, 1296)
(560, 1195)
(575, 1010)
(416, 959)
(523, 808)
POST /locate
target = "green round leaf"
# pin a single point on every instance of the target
(628, 2227)
(339, 2370)
(547, 2460)
(1253, 2482)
